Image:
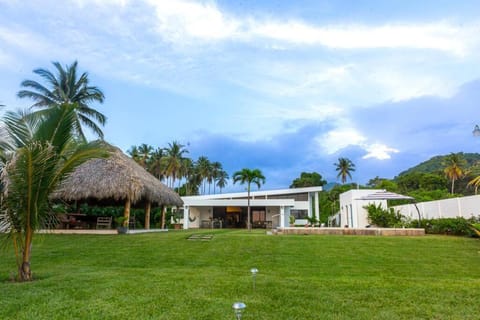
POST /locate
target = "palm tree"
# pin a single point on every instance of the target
(454, 164)
(42, 152)
(249, 176)
(203, 168)
(65, 88)
(222, 179)
(344, 167)
(144, 154)
(134, 153)
(156, 165)
(174, 156)
(216, 169)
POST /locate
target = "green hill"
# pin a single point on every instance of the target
(435, 164)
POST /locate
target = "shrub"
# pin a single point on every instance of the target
(455, 226)
(385, 218)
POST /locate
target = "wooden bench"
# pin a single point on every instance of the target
(104, 222)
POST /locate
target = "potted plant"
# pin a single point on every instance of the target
(292, 221)
(122, 226)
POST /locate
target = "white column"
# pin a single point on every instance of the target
(282, 217)
(311, 212)
(186, 214)
(317, 206)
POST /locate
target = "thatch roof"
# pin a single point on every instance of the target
(116, 178)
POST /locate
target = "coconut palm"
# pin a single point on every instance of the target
(344, 166)
(156, 165)
(174, 154)
(222, 180)
(203, 169)
(144, 154)
(454, 165)
(66, 88)
(43, 152)
(249, 176)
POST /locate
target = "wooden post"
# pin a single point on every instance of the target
(148, 206)
(164, 209)
(126, 212)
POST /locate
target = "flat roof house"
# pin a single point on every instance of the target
(269, 208)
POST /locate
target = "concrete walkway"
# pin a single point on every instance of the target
(98, 231)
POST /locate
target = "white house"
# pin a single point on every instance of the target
(269, 209)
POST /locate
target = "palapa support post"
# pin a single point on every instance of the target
(148, 207)
(164, 211)
(126, 212)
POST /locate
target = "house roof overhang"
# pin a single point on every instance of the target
(239, 202)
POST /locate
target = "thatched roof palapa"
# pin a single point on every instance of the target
(117, 178)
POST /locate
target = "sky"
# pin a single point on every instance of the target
(282, 86)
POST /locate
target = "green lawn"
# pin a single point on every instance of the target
(165, 276)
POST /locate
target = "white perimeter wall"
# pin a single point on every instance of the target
(465, 207)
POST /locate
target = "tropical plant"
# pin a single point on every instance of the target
(385, 218)
(454, 168)
(308, 179)
(249, 176)
(174, 155)
(203, 169)
(42, 152)
(344, 167)
(222, 180)
(65, 88)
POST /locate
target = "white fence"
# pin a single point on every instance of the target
(466, 207)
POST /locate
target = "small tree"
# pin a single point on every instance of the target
(384, 218)
(42, 152)
(249, 176)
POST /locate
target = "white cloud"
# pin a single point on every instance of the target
(178, 21)
(379, 151)
(437, 36)
(339, 139)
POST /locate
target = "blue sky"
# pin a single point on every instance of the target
(283, 86)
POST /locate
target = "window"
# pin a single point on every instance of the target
(299, 214)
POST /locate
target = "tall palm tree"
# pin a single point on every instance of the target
(174, 155)
(203, 168)
(144, 154)
(216, 169)
(249, 176)
(134, 153)
(156, 165)
(66, 88)
(222, 179)
(344, 166)
(454, 168)
(43, 151)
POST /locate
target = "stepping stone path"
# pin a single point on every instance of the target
(201, 237)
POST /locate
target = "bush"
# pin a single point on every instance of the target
(384, 218)
(455, 226)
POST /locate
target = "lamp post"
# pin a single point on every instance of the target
(238, 308)
(476, 131)
(254, 272)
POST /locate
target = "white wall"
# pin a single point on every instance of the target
(465, 207)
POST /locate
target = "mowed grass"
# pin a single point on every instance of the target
(166, 276)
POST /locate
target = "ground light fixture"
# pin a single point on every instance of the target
(476, 131)
(238, 308)
(254, 272)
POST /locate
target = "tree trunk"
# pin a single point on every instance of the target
(453, 185)
(148, 207)
(126, 212)
(24, 270)
(163, 216)
(249, 225)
